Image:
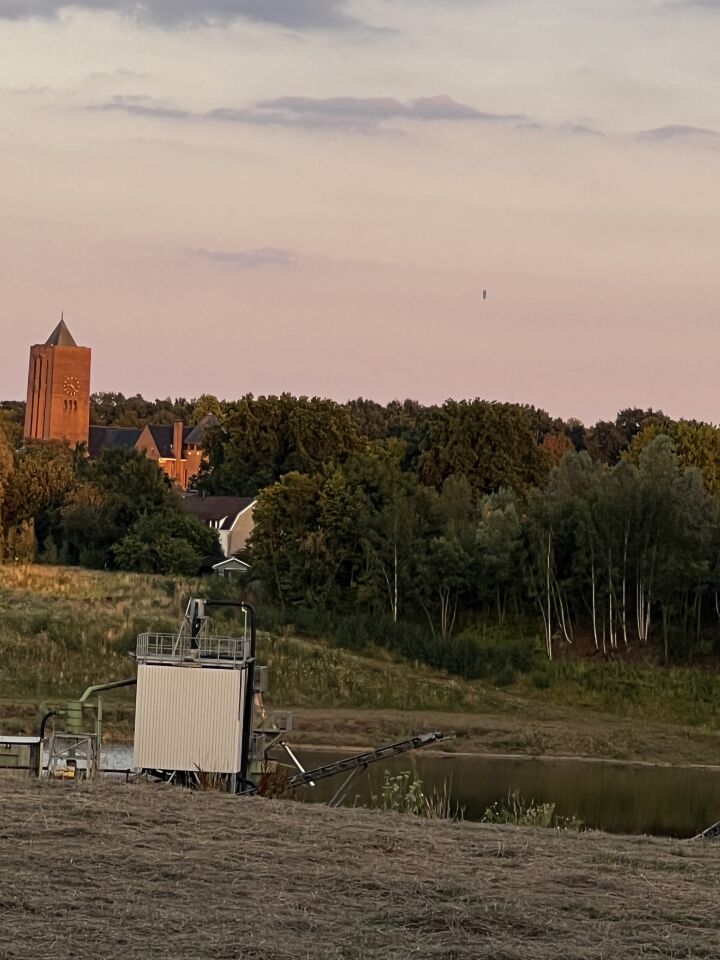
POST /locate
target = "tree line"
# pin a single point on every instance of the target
(425, 525)
(627, 555)
(428, 528)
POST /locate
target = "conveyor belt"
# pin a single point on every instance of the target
(363, 759)
(712, 833)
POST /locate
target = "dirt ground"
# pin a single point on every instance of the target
(115, 871)
(536, 731)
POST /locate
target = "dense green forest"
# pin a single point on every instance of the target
(116, 512)
(479, 537)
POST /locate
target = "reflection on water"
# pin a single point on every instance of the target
(116, 756)
(618, 797)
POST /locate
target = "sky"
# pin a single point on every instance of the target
(233, 196)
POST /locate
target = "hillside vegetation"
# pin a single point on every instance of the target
(479, 539)
(62, 629)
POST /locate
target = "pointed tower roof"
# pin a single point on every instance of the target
(60, 337)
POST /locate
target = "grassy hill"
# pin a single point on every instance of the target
(62, 629)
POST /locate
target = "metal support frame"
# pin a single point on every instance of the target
(300, 767)
(64, 747)
(249, 687)
(353, 765)
(340, 794)
(712, 833)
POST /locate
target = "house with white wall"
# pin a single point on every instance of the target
(231, 517)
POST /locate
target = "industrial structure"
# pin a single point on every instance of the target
(195, 693)
(199, 718)
(199, 711)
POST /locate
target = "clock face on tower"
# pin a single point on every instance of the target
(71, 386)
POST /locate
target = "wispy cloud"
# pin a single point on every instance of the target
(332, 111)
(249, 259)
(293, 14)
(143, 106)
(114, 76)
(681, 133)
(349, 113)
(580, 129)
(372, 115)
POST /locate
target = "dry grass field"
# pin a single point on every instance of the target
(133, 872)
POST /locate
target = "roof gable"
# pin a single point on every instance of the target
(231, 563)
(147, 444)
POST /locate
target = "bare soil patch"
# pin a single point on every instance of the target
(525, 728)
(131, 872)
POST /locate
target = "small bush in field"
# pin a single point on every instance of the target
(405, 793)
(528, 813)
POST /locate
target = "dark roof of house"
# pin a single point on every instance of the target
(111, 438)
(163, 437)
(208, 509)
(60, 337)
(197, 434)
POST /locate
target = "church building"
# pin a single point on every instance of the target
(58, 408)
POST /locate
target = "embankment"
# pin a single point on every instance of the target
(132, 872)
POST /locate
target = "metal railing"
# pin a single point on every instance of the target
(179, 648)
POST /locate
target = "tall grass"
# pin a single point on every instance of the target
(682, 695)
(306, 673)
(528, 813)
(64, 628)
(405, 793)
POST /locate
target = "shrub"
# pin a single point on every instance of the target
(528, 813)
(405, 793)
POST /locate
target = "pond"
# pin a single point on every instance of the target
(677, 801)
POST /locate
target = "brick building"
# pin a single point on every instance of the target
(58, 394)
(58, 408)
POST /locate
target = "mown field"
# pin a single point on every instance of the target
(63, 628)
(130, 872)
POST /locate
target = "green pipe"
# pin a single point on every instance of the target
(74, 716)
(74, 708)
(106, 686)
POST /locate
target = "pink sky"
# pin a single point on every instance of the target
(311, 195)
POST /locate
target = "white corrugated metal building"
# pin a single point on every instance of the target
(189, 718)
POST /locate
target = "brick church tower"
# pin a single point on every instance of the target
(58, 395)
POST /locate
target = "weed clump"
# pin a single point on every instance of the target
(405, 793)
(528, 813)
